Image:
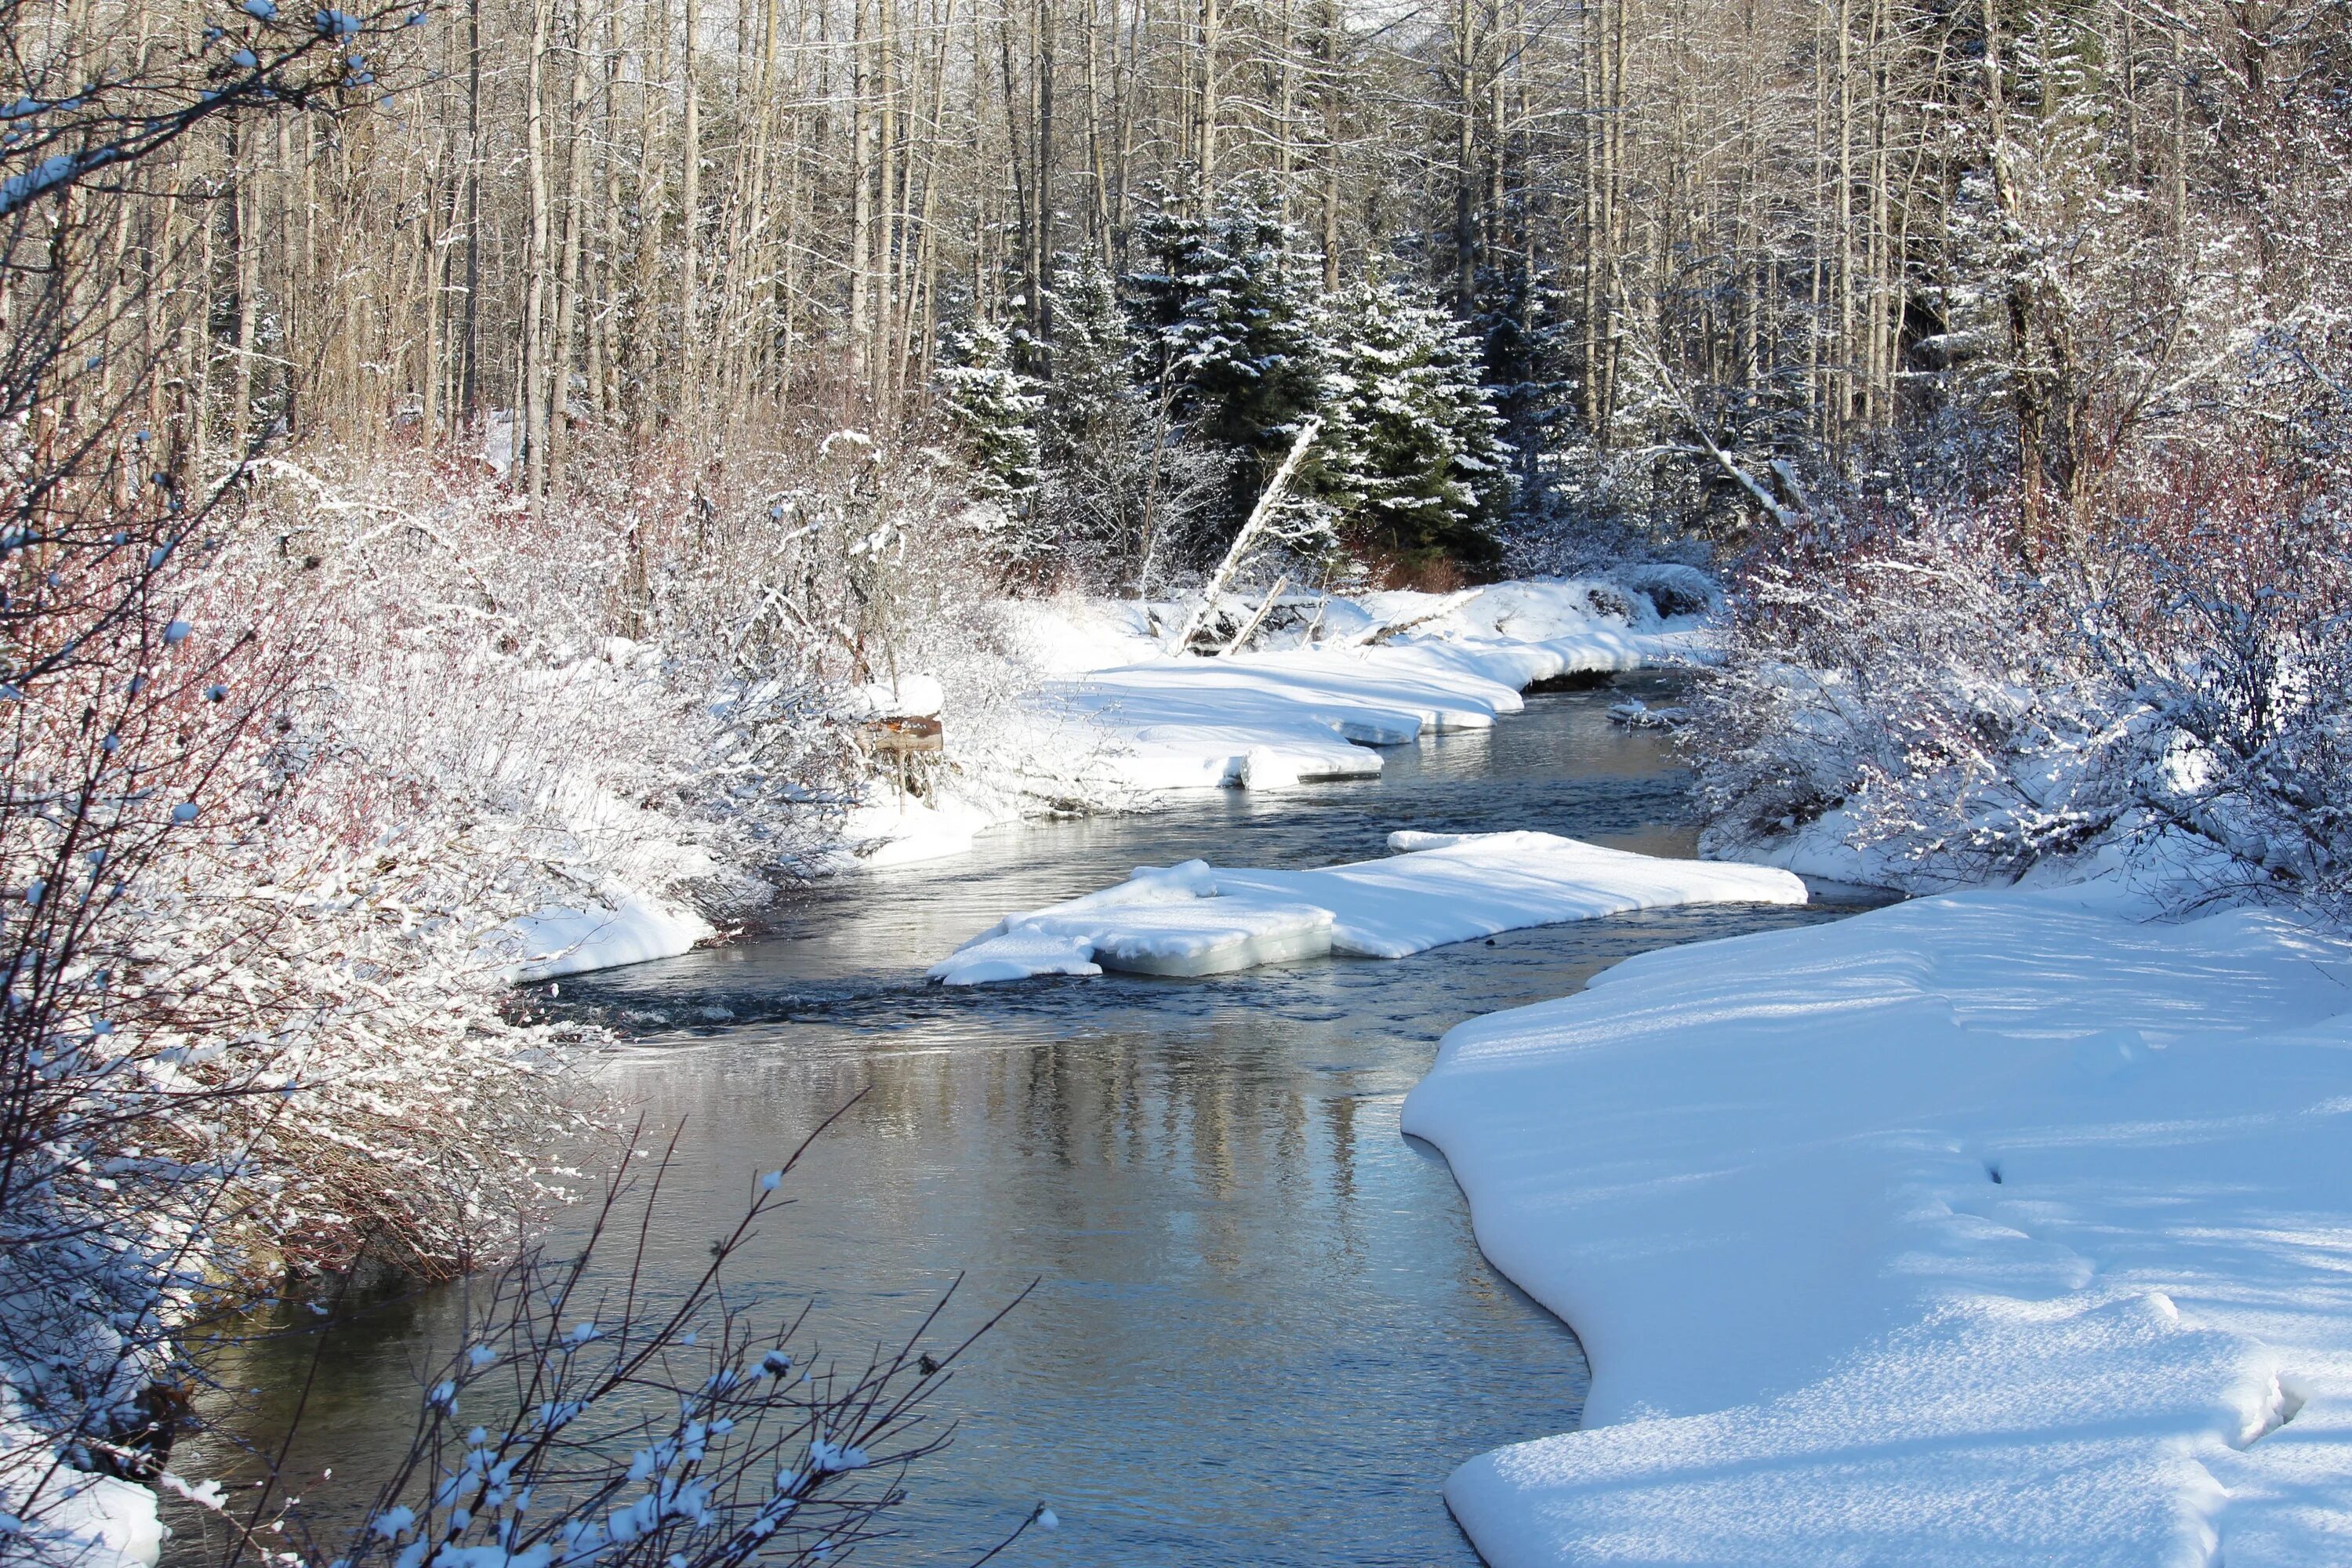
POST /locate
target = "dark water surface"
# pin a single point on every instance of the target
(1263, 1333)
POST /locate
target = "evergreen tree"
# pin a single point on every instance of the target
(1225, 306)
(1527, 330)
(994, 408)
(1093, 403)
(1095, 437)
(1411, 452)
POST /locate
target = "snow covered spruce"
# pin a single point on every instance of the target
(1986, 1229)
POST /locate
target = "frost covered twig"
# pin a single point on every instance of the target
(590, 1418)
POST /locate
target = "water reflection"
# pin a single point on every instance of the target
(1262, 1332)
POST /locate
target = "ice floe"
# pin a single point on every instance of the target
(1198, 918)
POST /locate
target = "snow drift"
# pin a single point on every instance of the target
(1986, 1229)
(1198, 918)
(1308, 710)
(558, 940)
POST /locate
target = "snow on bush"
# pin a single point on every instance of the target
(591, 1416)
(1959, 699)
(294, 766)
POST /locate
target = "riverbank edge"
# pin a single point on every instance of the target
(1118, 723)
(1634, 1480)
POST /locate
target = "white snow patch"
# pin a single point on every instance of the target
(1114, 717)
(1268, 767)
(1985, 1229)
(630, 928)
(900, 830)
(907, 697)
(1310, 713)
(1197, 919)
(54, 1514)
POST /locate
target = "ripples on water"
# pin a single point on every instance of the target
(1263, 1333)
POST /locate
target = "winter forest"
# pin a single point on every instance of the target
(502, 490)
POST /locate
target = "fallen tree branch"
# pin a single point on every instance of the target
(1268, 502)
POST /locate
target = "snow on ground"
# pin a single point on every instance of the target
(626, 928)
(897, 830)
(85, 1520)
(1312, 710)
(1115, 719)
(51, 1513)
(1993, 1228)
(1197, 919)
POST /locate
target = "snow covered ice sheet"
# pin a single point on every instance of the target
(1310, 713)
(557, 941)
(1112, 715)
(1198, 918)
(1989, 1229)
(1308, 710)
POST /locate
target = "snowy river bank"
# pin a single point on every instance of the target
(1998, 1228)
(1265, 1333)
(1986, 1229)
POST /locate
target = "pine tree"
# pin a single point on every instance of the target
(1093, 401)
(1527, 332)
(1411, 452)
(1226, 306)
(994, 408)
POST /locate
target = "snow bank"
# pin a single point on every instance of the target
(901, 830)
(1103, 714)
(54, 1514)
(1197, 919)
(1984, 1229)
(1310, 710)
(907, 697)
(630, 929)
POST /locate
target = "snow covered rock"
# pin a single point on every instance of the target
(1636, 714)
(1197, 919)
(1985, 1230)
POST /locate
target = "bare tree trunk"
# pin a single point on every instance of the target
(243, 210)
(534, 421)
(1213, 35)
(689, 276)
(470, 376)
(861, 234)
(1466, 172)
(1330, 101)
(575, 223)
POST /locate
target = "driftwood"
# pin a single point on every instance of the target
(1260, 517)
(1266, 607)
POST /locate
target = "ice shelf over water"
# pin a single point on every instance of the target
(557, 941)
(1198, 918)
(1281, 717)
(1982, 1230)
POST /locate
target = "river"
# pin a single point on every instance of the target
(1263, 1333)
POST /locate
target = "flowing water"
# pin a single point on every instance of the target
(1263, 1332)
